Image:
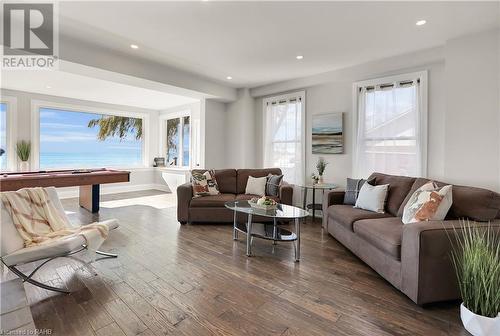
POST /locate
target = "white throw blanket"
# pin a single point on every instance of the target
(38, 221)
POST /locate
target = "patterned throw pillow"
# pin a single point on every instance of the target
(273, 184)
(352, 190)
(428, 203)
(204, 184)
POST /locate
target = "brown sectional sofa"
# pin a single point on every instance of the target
(415, 258)
(232, 184)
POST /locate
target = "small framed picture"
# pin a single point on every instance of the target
(328, 133)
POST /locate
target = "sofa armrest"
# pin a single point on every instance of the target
(330, 198)
(427, 270)
(286, 193)
(184, 196)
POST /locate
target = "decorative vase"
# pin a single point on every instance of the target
(320, 179)
(479, 325)
(24, 166)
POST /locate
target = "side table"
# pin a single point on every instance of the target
(315, 206)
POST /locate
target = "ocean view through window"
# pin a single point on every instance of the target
(178, 134)
(3, 136)
(71, 139)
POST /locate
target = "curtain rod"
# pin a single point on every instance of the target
(388, 85)
(284, 101)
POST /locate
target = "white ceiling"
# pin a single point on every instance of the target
(256, 42)
(70, 85)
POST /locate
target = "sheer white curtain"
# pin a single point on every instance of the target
(284, 140)
(391, 130)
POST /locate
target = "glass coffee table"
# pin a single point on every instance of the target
(270, 231)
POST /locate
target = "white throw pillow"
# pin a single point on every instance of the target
(429, 202)
(372, 197)
(256, 186)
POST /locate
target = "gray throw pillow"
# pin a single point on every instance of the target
(273, 184)
(352, 190)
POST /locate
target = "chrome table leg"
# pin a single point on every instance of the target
(297, 232)
(249, 235)
(275, 231)
(235, 232)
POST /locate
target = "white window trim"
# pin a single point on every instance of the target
(11, 130)
(36, 105)
(422, 76)
(302, 96)
(183, 111)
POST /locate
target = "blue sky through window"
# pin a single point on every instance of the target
(66, 141)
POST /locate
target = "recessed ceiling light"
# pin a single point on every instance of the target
(421, 22)
(134, 46)
(299, 57)
(49, 87)
(229, 77)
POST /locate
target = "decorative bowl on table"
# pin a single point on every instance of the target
(263, 203)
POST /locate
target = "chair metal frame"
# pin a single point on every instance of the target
(29, 278)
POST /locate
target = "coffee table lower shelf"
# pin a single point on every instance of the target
(267, 231)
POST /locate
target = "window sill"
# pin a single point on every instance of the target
(181, 169)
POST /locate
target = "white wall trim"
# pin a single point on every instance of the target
(11, 130)
(71, 192)
(423, 77)
(35, 125)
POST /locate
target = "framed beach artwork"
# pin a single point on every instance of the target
(328, 133)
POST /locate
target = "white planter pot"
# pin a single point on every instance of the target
(479, 325)
(24, 166)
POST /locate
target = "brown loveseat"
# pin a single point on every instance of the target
(232, 184)
(415, 257)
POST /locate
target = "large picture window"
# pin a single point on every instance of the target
(392, 127)
(3, 136)
(178, 134)
(284, 140)
(70, 139)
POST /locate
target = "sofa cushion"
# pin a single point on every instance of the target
(385, 234)
(243, 174)
(468, 202)
(347, 215)
(247, 197)
(212, 200)
(226, 179)
(399, 187)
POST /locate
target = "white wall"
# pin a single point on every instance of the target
(473, 110)
(215, 131)
(241, 148)
(336, 96)
(463, 107)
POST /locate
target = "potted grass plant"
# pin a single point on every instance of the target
(320, 167)
(476, 259)
(23, 149)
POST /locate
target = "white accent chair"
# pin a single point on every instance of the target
(13, 252)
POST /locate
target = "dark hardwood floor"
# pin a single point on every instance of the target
(195, 280)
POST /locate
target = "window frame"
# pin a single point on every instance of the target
(181, 113)
(422, 76)
(298, 95)
(36, 105)
(10, 130)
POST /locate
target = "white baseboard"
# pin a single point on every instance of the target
(71, 192)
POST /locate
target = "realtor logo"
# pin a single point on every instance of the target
(29, 36)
